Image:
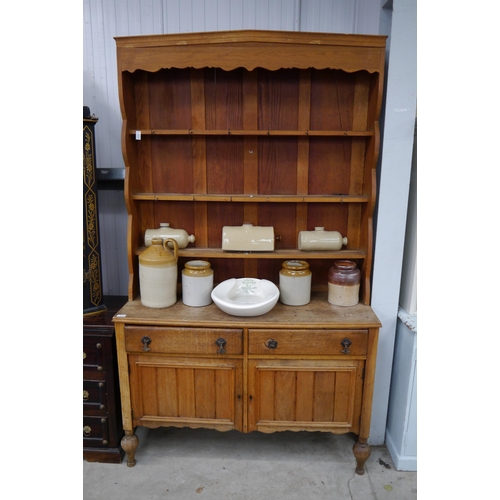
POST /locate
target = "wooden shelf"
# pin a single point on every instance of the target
(225, 132)
(279, 132)
(251, 198)
(287, 253)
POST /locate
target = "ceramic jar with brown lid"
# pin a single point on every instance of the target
(197, 283)
(295, 283)
(343, 283)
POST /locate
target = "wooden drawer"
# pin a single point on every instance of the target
(308, 342)
(94, 397)
(95, 431)
(153, 340)
(96, 353)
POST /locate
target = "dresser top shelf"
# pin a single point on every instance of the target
(319, 313)
(254, 48)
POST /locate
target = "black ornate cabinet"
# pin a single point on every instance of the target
(102, 418)
(92, 277)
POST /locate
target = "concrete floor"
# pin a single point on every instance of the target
(201, 464)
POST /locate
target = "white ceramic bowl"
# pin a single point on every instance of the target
(246, 296)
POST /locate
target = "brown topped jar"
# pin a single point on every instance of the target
(295, 283)
(343, 283)
(197, 283)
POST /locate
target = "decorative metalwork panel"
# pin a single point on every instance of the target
(92, 282)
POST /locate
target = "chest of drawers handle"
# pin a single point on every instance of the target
(221, 343)
(271, 343)
(345, 344)
(146, 341)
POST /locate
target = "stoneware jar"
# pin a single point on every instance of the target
(197, 283)
(343, 283)
(295, 283)
(165, 231)
(158, 273)
(319, 239)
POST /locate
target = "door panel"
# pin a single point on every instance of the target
(298, 394)
(194, 392)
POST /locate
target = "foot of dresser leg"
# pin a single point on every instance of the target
(361, 451)
(129, 443)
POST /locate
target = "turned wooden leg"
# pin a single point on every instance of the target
(129, 443)
(361, 451)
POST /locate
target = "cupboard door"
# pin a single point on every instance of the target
(315, 395)
(186, 392)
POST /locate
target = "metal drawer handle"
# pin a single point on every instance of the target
(85, 395)
(221, 343)
(271, 343)
(146, 341)
(345, 344)
(87, 430)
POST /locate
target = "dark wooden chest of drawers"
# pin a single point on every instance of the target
(102, 420)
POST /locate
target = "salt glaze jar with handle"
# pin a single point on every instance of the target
(343, 283)
(319, 239)
(165, 231)
(158, 273)
(295, 283)
(197, 283)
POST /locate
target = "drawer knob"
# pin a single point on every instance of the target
(87, 430)
(345, 344)
(146, 341)
(85, 395)
(221, 343)
(271, 343)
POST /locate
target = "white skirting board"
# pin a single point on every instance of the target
(401, 431)
(402, 462)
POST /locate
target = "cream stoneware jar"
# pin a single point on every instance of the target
(165, 231)
(295, 283)
(158, 274)
(197, 283)
(319, 239)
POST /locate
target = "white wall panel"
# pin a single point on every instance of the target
(327, 16)
(399, 110)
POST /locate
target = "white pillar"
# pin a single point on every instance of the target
(399, 21)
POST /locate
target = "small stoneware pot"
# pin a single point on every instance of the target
(197, 283)
(295, 283)
(343, 283)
